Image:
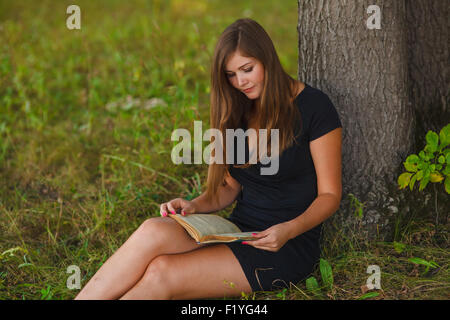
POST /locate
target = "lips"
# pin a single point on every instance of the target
(248, 90)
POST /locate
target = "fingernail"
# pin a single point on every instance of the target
(164, 214)
(173, 212)
(183, 213)
(254, 234)
(244, 242)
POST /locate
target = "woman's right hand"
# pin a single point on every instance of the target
(177, 205)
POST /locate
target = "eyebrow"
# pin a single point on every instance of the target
(240, 66)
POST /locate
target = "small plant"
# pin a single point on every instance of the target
(327, 280)
(46, 294)
(355, 203)
(282, 294)
(399, 247)
(431, 165)
(313, 286)
(427, 264)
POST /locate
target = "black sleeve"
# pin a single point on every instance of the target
(324, 119)
(234, 172)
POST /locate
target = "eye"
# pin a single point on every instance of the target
(229, 75)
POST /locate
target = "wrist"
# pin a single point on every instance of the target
(293, 229)
(195, 206)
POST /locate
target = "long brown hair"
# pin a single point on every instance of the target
(231, 109)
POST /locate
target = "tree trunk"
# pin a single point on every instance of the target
(375, 79)
(428, 56)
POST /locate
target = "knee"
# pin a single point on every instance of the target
(160, 276)
(148, 226)
(153, 229)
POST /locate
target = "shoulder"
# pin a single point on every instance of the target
(312, 95)
(318, 112)
(312, 101)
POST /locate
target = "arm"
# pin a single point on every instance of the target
(326, 154)
(228, 194)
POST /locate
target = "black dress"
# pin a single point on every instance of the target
(266, 200)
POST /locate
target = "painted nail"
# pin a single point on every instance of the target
(173, 212)
(183, 213)
(254, 234)
(164, 214)
(244, 242)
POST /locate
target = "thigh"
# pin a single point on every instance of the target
(209, 272)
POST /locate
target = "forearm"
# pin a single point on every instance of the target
(227, 195)
(320, 209)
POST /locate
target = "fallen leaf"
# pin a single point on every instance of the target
(364, 289)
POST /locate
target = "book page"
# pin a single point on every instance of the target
(208, 224)
(239, 235)
(228, 237)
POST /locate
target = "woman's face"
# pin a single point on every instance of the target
(245, 73)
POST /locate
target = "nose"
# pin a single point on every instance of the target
(241, 80)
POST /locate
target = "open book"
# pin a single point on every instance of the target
(210, 228)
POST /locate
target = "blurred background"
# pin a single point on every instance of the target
(86, 118)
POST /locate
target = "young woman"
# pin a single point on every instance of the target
(249, 89)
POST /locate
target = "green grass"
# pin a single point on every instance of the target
(81, 166)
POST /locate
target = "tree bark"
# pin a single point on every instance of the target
(428, 56)
(365, 73)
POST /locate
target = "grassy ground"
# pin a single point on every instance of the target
(85, 152)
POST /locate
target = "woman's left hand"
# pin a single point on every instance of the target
(271, 239)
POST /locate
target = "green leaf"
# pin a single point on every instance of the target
(360, 212)
(441, 159)
(404, 179)
(432, 141)
(282, 294)
(430, 264)
(444, 135)
(446, 171)
(411, 167)
(399, 247)
(447, 184)
(429, 149)
(369, 295)
(422, 154)
(436, 177)
(422, 165)
(326, 273)
(424, 182)
(45, 293)
(419, 175)
(312, 285)
(446, 152)
(413, 158)
(411, 183)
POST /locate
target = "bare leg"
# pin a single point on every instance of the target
(155, 236)
(209, 272)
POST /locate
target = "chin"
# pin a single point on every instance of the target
(252, 95)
